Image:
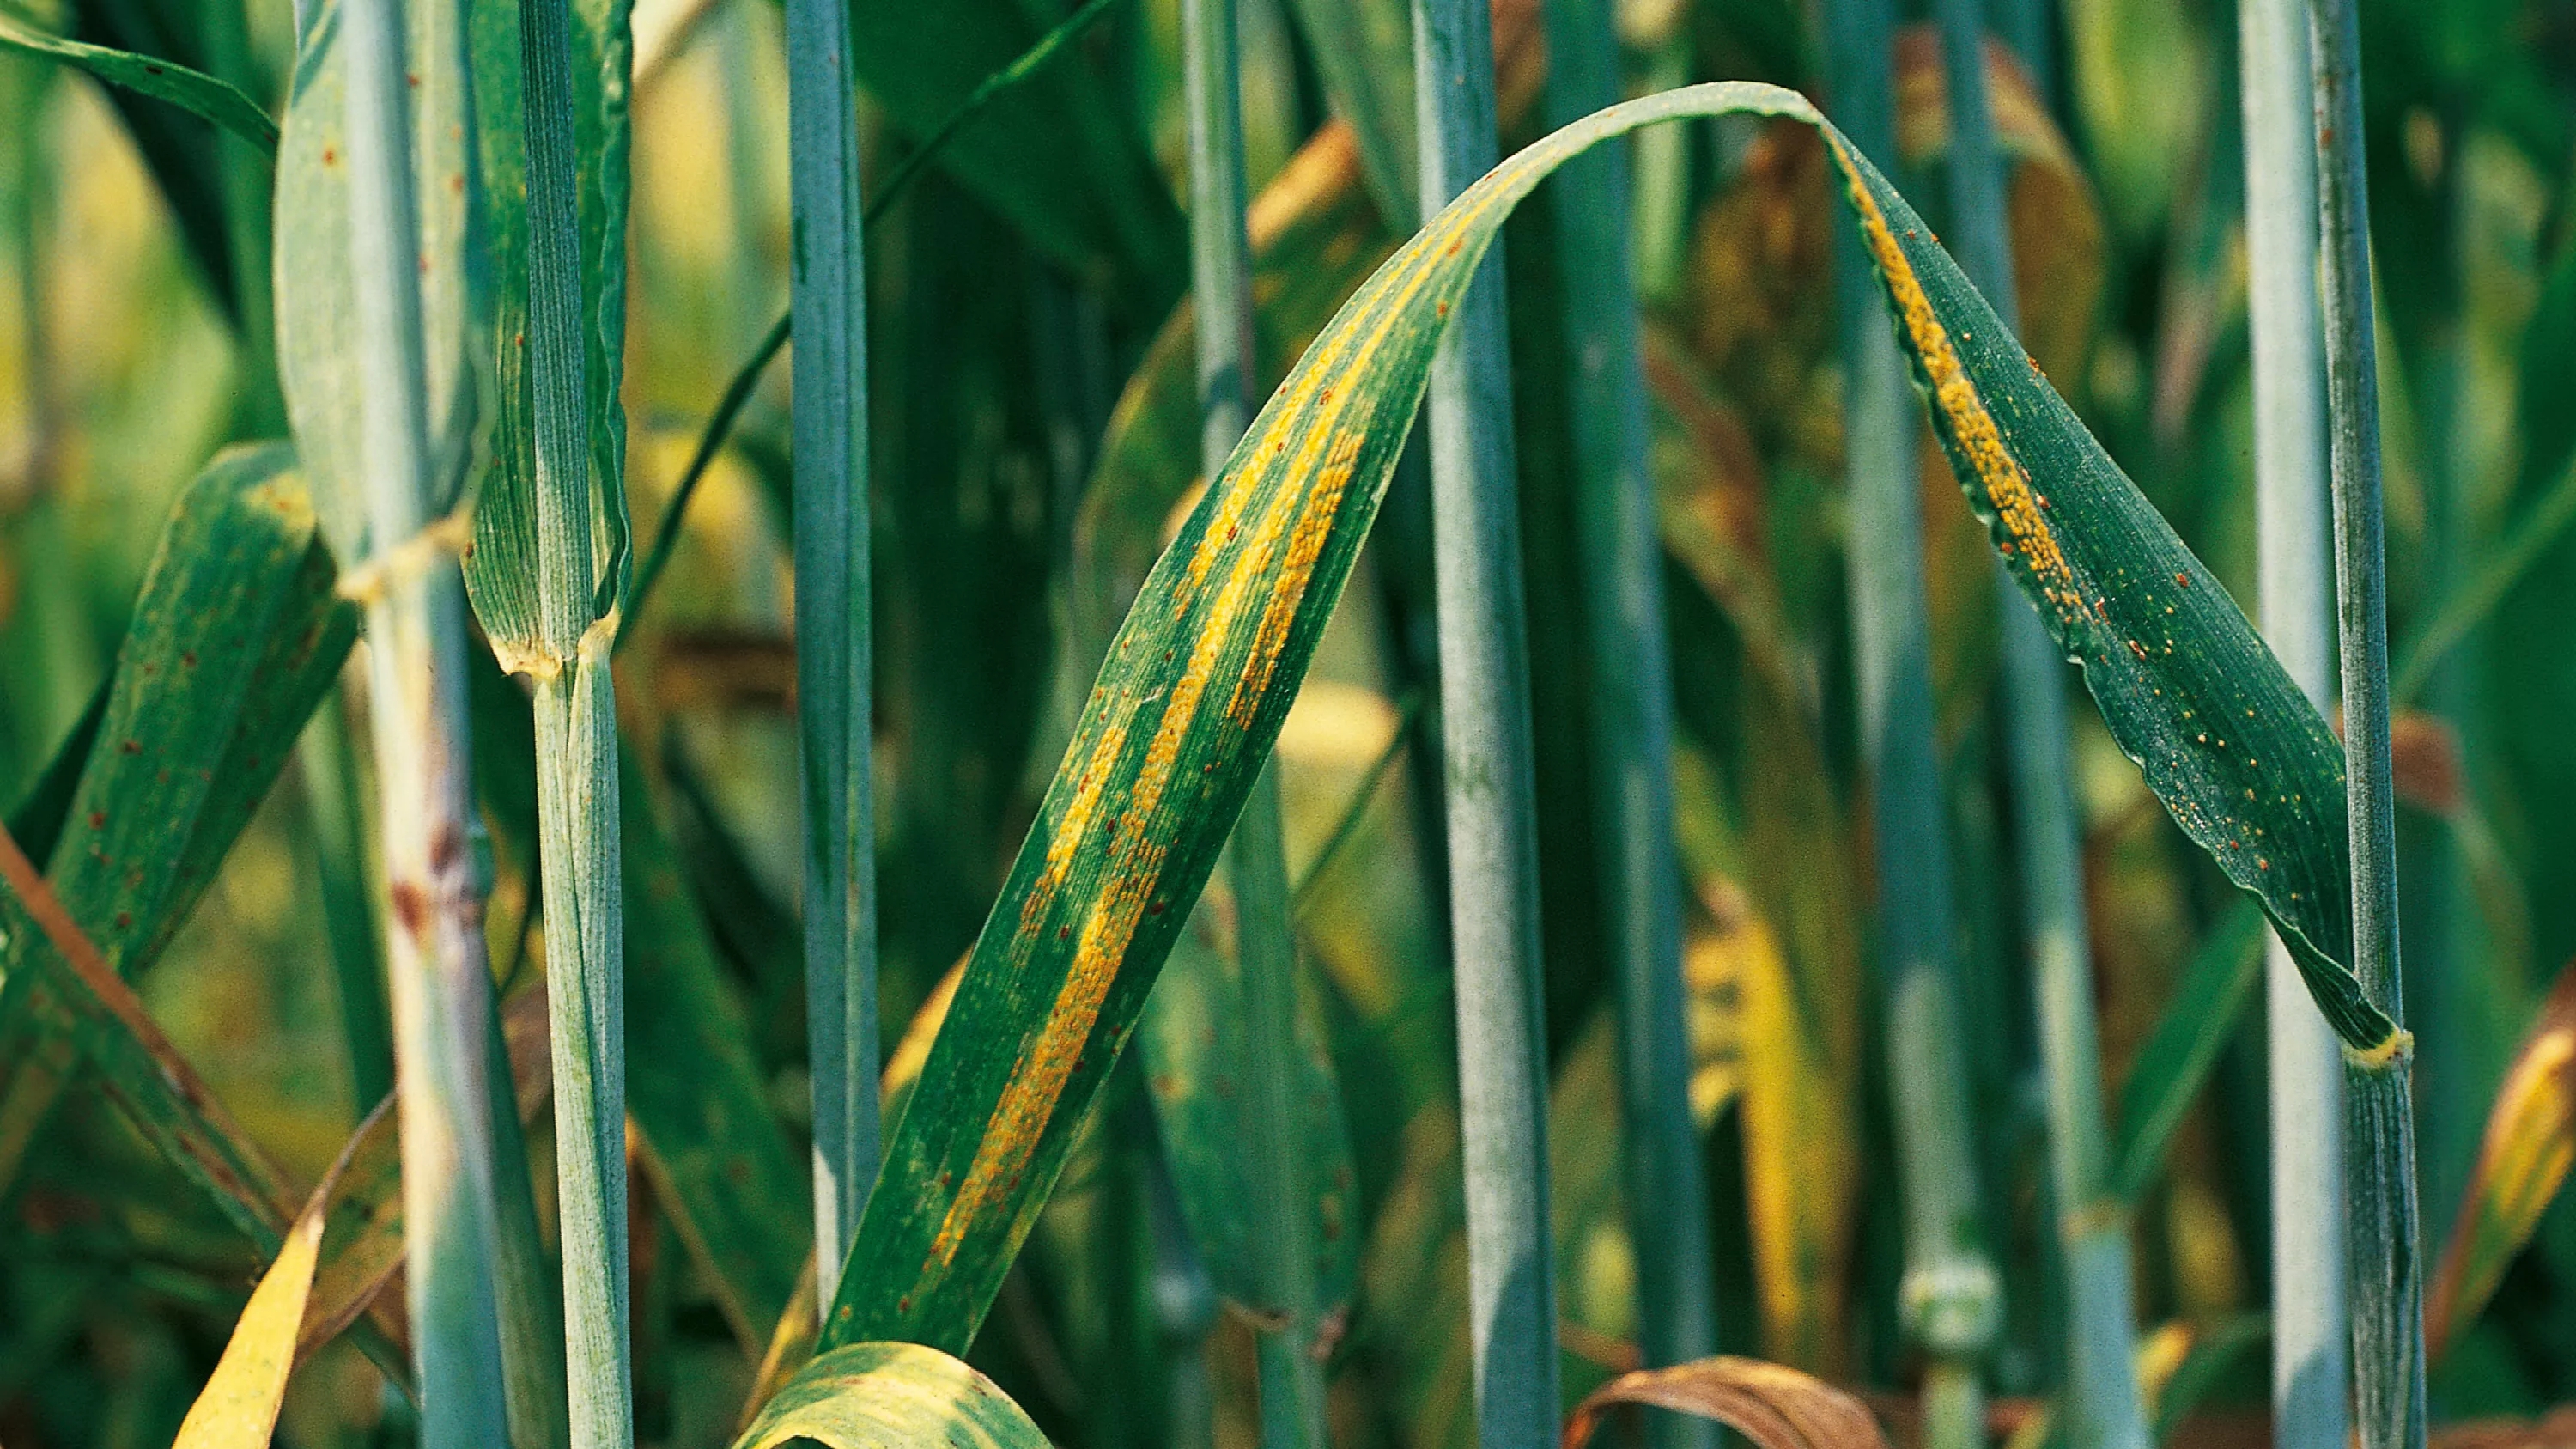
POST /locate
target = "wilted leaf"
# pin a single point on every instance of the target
(1775, 1407)
(238, 1407)
(891, 1396)
(2529, 1144)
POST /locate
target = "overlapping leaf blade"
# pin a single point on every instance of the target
(235, 637)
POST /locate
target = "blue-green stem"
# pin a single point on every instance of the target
(2383, 1241)
(1950, 1300)
(329, 766)
(1632, 712)
(576, 737)
(1292, 1388)
(2310, 1365)
(833, 653)
(2101, 1396)
(416, 676)
(746, 378)
(1487, 767)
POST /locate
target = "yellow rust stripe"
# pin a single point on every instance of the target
(1313, 414)
(1134, 871)
(1999, 473)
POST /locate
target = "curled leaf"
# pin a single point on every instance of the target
(1775, 1407)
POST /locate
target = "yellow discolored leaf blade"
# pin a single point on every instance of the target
(2529, 1145)
(238, 1407)
(889, 1396)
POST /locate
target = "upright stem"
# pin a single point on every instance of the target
(833, 655)
(416, 673)
(576, 737)
(1951, 1300)
(1292, 1388)
(329, 766)
(1485, 729)
(1632, 712)
(2311, 1373)
(2386, 1267)
(2102, 1407)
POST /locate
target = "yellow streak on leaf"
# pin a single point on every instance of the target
(1133, 875)
(2529, 1146)
(1078, 815)
(1305, 546)
(1047, 1060)
(1999, 473)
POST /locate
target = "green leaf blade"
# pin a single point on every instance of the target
(215, 101)
(2224, 737)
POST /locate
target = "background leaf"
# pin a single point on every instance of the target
(888, 1396)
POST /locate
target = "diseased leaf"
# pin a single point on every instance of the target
(1201, 675)
(92, 1009)
(238, 1407)
(1775, 1407)
(891, 1396)
(317, 305)
(2522, 1162)
(236, 636)
(198, 94)
(2227, 742)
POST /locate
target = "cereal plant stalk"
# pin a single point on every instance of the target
(1632, 711)
(833, 653)
(416, 676)
(1488, 774)
(2102, 1405)
(2311, 1367)
(2382, 1242)
(576, 738)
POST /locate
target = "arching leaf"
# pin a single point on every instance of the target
(1200, 677)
